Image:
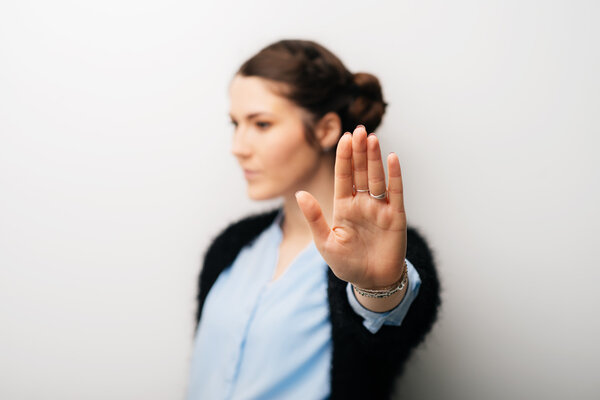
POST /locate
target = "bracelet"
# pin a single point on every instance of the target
(379, 293)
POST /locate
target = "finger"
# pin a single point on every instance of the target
(343, 167)
(359, 157)
(376, 172)
(395, 191)
(314, 216)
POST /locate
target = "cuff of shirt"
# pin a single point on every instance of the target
(374, 320)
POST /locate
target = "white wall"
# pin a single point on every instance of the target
(115, 173)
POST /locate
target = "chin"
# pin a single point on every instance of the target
(263, 192)
(260, 194)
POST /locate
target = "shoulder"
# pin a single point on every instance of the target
(239, 233)
(226, 245)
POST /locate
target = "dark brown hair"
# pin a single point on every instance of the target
(316, 80)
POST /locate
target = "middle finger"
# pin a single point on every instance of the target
(359, 158)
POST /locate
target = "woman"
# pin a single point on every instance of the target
(326, 296)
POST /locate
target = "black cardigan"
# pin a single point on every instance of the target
(364, 365)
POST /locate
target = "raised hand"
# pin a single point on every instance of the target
(367, 243)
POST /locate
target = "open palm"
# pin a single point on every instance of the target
(367, 243)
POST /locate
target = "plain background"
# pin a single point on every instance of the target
(115, 173)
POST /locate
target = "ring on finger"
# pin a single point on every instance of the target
(378, 196)
(360, 190)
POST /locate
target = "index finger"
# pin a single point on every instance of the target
(343, 167)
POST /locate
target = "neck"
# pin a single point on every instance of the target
(321, 186)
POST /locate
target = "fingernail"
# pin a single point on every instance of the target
(361, 126)
(347, 133)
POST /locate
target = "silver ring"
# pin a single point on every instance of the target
(378, 196)
(360, 190)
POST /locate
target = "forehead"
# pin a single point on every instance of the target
(249, 94)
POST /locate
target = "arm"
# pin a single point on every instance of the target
(377, 359)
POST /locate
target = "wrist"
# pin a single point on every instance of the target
(381, 304)
(384, 291)
(383, 299)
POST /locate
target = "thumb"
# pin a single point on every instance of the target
(314, 216)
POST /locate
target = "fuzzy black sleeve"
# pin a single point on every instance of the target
(366, 365)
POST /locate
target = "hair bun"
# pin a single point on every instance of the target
(368, 86)
(368, 106)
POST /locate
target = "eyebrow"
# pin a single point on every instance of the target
(254, 114)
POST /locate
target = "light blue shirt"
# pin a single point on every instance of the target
(263, 339)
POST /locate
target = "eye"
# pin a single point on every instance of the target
(263, 125)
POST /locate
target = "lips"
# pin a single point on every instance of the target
(249, 174)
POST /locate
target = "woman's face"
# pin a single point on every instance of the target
(269, 141)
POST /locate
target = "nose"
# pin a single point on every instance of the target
(240, 146)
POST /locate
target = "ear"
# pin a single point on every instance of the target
(328, 130)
